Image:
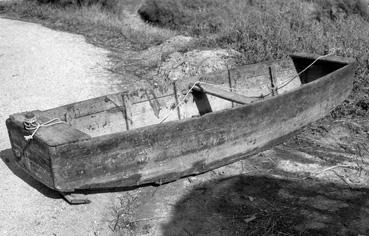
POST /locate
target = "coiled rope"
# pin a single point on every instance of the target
(31, 124)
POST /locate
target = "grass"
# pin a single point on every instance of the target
(110, 26)
(265, 29)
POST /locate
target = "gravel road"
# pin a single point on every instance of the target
(39, 69)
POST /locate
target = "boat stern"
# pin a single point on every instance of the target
(36, 155)
(31, 156)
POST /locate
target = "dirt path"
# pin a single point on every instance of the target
(41, 68)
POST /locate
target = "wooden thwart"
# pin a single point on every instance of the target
(221, 93)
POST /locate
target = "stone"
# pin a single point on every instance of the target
(193, 63)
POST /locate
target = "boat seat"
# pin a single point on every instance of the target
(221, 93)
(199, 92)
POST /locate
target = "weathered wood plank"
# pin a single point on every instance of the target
(285, 77)
(84, 108)
(66, 133)
(251, 81)
(143, 114)
(221, 93)
(189, 108)
(104, 103)
(273, 80)
(33, 156)
(101, 123)
(202, 101)
(127, 111)
(176, 100)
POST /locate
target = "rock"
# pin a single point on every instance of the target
(152, 56)
(181, 65)
(160, 52)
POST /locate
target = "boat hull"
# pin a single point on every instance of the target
(165, 152)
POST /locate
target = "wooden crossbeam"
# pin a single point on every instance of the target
(221, 93)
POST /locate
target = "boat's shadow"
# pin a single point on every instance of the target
(316, 184)
(7, 157)
(263, 205)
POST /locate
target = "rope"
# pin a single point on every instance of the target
(180, 103)
(34, 125)
(333, 51)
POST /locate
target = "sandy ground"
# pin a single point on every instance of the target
(41, 68)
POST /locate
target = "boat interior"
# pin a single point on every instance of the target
(212, 92)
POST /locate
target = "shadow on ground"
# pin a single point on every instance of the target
(260, 205)
(8, 158)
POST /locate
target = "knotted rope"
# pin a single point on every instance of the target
(180, 103)
(31, 124)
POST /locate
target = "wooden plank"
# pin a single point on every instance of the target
(176, 100)
(75, 198)
(256, 80)
(230, 84)
(127, 111)
(100, 104)
(33, 157)
(219, 77)
(143, 114)
(285, 76)
(221, 93)
(84, 108)
(101, 123)
(250, 86)
(272, 72)
(202, 101)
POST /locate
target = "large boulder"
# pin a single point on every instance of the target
(144, 62)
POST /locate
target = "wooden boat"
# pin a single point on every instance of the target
(128, 139)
